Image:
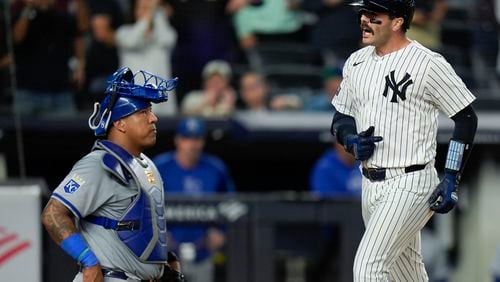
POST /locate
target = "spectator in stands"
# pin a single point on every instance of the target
(277, 18)
(205, 34)
(189, 171)
(336, 174)
(334, 44)
(256, 97)
(102, 55)
(217, 98)
(45, 39)
(254, 92)
(322, 101)
(426, 24)
(147, 44)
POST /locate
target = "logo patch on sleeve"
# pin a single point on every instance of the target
(73, 184)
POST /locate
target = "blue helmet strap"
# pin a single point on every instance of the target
(96, 119)
(112, 102)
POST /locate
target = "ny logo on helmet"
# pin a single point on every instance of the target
(390, 82)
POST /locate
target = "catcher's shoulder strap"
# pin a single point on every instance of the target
(113, 166)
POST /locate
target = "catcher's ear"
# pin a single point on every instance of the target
(119, 125)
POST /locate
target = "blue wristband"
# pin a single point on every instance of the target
(76, 247)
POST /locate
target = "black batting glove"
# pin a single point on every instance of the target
(362, 145)
(445, 196)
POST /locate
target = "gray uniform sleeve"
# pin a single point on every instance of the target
(445, 89)
(83, 190)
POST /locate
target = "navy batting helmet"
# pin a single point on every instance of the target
(127, 93)
(399, 8)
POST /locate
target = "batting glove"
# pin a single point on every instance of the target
(445, 196)
(362, 145)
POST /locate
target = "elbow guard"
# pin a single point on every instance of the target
(461, 144)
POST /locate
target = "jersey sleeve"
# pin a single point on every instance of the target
(445, 88)
(83, 190)
(343, 99)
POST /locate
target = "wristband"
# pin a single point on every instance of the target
(75, 246)
(454, 158)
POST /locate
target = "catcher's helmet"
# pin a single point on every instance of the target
(127, 93)
(399, 8)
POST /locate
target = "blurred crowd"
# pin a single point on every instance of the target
(255, 56)
(229, 55)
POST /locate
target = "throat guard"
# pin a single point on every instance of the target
(142, 227)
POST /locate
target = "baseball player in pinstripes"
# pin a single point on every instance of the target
(387, 117)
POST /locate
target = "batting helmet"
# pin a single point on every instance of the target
(127, 93)
(399, 8)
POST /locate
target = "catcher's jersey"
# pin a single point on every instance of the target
(89, 189)
(400, 94)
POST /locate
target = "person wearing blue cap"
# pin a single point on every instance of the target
(190, 171)
(108, 213)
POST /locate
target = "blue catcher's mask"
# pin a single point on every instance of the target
(127, 93)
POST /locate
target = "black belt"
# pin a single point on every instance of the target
(378, 174)
(114, 274)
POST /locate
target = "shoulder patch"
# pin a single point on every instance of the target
(73, 184)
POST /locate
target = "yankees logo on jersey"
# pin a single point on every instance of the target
(396, 93)
(390, 83)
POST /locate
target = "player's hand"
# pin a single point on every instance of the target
(92, 274)
(171, 275)
(445, 196)
(172, 270)
(362, 145)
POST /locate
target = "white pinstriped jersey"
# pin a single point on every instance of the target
(400, 94)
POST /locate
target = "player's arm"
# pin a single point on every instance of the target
(342, 126)
(445, 196)
(58, 220)
(360, 145)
